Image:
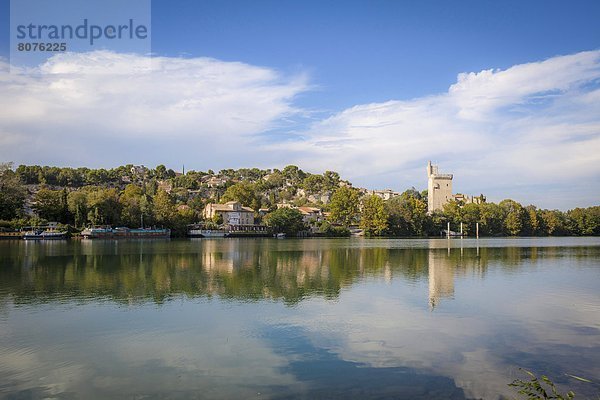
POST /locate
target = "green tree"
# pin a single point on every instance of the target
(584, 221)
(77, 204)
(313, 184)
(293, 175)
(374, 217)
(407, 214)
(454, 213)
(555, 222)
(50, 205)
(103, 206)
(131, 205)
(164, 208)
(514, 220)
(288, 220)
(471, 216)
(491, 219)
(161, 172)
(331, 180)
(344, 206)
(12, 193)
(533, 221)
(245, 193)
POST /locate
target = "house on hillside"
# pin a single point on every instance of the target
(233, 213)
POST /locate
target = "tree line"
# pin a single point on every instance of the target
(406, 215)
(81, 196)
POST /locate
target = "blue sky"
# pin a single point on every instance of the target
(372, 89)
(370, 51)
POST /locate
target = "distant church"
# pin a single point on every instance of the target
(439, 190)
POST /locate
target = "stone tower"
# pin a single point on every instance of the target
(439, 189)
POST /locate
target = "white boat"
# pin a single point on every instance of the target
(208, 233)
(279, 235)
(40, 234)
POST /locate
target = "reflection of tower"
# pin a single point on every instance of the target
(441, 278)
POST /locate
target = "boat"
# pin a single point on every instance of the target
(208, 233)
(45, 234)
(280, 235)
(448, 233)
(106, 232)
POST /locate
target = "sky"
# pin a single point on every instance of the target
(504, 95)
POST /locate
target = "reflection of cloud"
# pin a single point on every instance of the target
(491, 327)
(196, 348)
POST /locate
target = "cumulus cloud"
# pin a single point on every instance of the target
(104, 108)
(531, 132)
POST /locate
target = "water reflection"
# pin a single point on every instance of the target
(295, 318)
(243, 270)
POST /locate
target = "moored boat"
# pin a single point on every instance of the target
(106, 232)
(208, 233)
(49, 232)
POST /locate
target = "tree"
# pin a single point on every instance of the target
(331, 180)
(103, 206)
(293, 174)
(514, 216)
(77, 204)
(161, 172)
(164, 208)
(288, 220)
(131, 205)
(374, 217)
(313, 184)
(12, 193)
(407, 214)
(584, 221)
(245, 193)
(454, 213)
(533, 221)
(491, 217)
(344, 206)
(471, 216)
(51, 204)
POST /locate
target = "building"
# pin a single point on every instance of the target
(214, 181)
(384, 194)
(439, 188)
(233, 213)
(439, 191)
(311, 215)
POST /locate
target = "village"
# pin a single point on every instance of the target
(136, 201)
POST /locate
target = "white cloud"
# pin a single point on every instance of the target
(530, 132)
(103, 109)
(524, 132)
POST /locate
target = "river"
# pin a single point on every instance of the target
(297, 319)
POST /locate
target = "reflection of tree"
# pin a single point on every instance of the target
(245, 269)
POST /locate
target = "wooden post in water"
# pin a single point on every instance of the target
(448, 230)
(477, 229)
(461, 231)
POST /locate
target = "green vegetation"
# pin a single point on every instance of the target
(12, 193)
(135, 195)
(374, 218)
(288, 220)
(536, 389)
(344, 206)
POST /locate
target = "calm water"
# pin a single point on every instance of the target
(280, 319)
